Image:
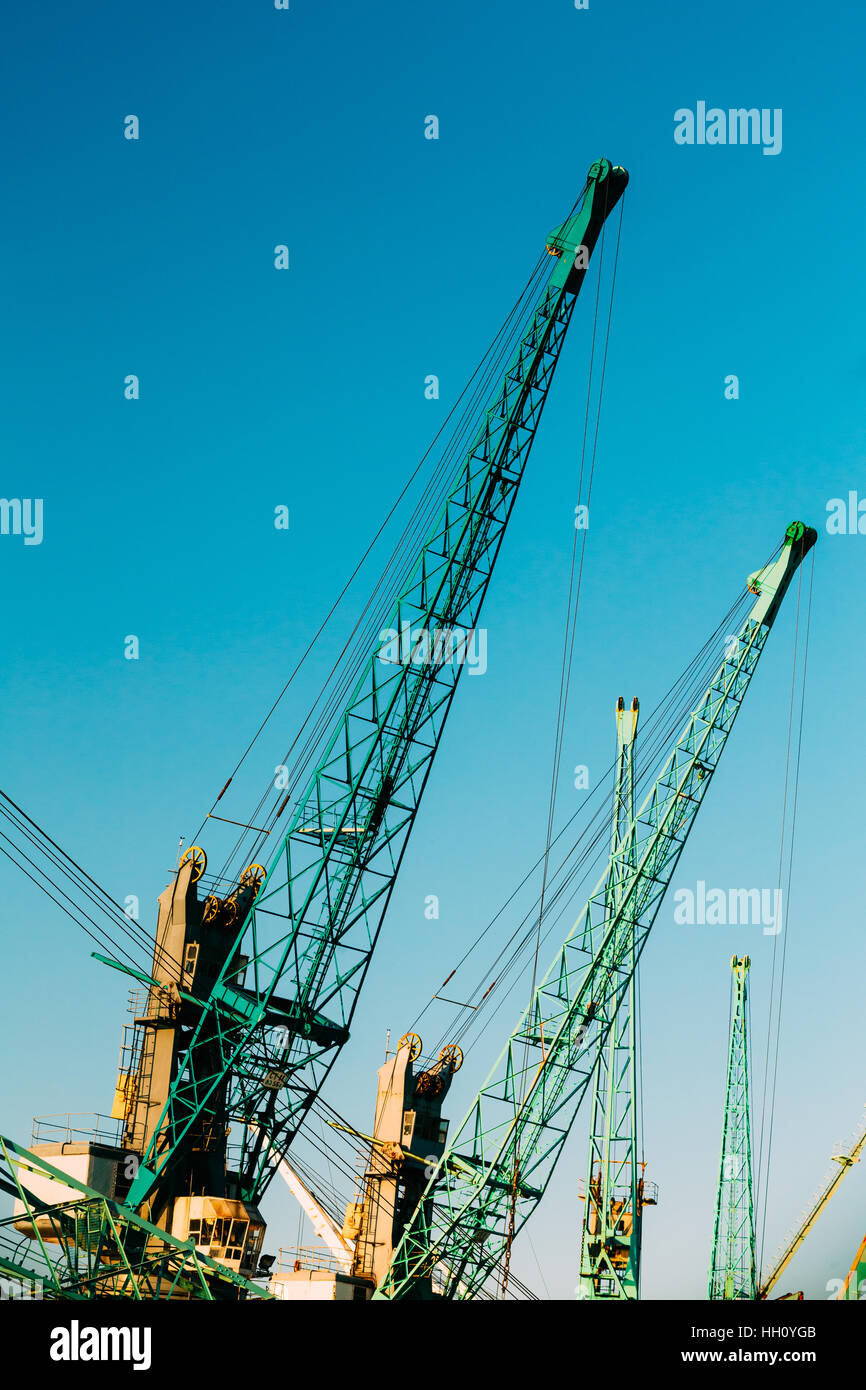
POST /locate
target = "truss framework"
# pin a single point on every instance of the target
(268, 1045)
(615, 1193)
(732, 1263)
(88, 1246)
(499, 1160)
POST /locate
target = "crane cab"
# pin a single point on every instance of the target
(225, 1229)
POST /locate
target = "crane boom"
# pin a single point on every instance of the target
(845, 1161)
(497, 1164)
(261, 1051)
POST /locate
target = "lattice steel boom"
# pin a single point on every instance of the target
(499, 1160)
(266, 1037)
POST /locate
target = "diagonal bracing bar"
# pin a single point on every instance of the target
(86, 1246)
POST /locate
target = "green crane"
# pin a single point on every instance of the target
(259, 1043)
(615, 1193)
(732, 1264)
(499, 1160)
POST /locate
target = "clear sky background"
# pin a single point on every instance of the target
(306, 388)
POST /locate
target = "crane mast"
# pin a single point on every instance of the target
(258, 1034)
(615, 1191)
(732, 1263)
(480, 1195)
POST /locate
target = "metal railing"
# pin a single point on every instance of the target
(622, 1193)
(298, 1257)
(77, 1127)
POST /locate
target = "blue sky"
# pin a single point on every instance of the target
(306, 388)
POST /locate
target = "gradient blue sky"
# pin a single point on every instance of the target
(155, 257)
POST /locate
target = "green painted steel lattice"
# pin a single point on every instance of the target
(260, 1053)
(615, 1193)
(88, 1246)
(732, 1264)
(478, 1195)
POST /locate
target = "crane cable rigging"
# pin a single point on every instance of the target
(776, 1001)
(660, 727)
(745, 597)
(135, 937)
(392, 577)
(658, 732)
(569, 634)
(101, 900)
(139, 939)
(79, 882)
(79, 896)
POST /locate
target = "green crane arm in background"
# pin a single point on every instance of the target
(732, 1260)
(499, 1161)
(261, 1051)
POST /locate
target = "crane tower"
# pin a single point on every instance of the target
(616, 1194)
(732, 1266)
